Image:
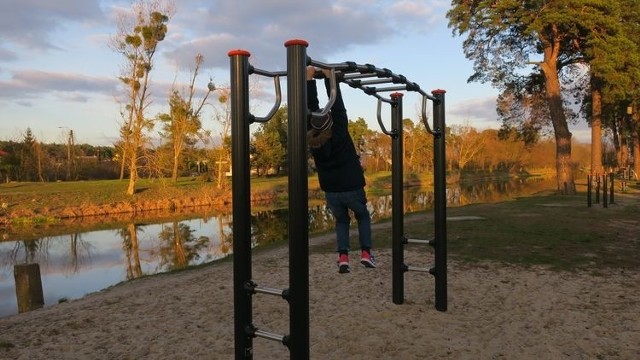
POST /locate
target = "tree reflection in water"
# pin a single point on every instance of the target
(179, 246)
(131, 249)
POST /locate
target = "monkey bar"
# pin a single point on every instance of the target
(363, 77)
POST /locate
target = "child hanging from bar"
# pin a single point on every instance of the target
(340, 173)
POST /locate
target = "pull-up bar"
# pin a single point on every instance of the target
(352, 74)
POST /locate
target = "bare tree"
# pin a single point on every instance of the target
(137, 41)
(182, 123)
(466, 144)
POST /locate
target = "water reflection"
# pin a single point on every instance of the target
(73, 265)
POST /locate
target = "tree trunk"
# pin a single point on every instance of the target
(133, 175)
(122, 162)
(596, 132)
(564, 165)
(635, 141)
(174, 171)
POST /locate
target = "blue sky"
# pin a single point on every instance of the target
(58, 73)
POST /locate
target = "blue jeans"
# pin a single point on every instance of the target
(340, 203)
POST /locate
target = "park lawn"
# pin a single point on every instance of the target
(555, 231)
(36, 195)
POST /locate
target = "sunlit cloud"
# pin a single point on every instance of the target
(33, 83)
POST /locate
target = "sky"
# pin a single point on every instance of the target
(59, 74)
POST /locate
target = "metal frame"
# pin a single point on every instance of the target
(363, 77)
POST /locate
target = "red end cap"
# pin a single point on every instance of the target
(239, 52)
(296, 42)
(438, 92)
(397, 94)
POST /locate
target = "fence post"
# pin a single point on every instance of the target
(589, 180)
(605, 204)
(28, 287)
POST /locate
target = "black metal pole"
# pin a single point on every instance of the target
(298, 199)
(611, 188)
(604, 191)
(597, 188)
(589, 180)
(440, 200)
(241, 202)
(397, 210)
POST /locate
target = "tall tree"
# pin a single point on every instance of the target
(613, 62)
(504, 36)
(137, 41)
(27, 155)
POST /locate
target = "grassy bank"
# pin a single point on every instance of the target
(560, 232)
(41, 202)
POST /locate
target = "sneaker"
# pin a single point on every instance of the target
(367, 259)
(343, 263)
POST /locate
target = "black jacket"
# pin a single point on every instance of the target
(337, 162)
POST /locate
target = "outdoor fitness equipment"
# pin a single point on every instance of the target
(297, 295)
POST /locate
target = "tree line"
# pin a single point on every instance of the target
(486, 151)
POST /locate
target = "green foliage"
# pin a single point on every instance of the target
(270, 143)
(359, 131)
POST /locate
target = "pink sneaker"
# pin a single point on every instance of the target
(343, 263)
(367, 259)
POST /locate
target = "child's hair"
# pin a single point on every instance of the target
(319, 130)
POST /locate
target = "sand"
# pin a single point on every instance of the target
(494, 312)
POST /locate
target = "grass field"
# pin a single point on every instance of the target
(560, 232)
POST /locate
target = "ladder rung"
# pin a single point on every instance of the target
(413, 268)
(253, 288)
(419, 241)
(269, 335)
(270, 291)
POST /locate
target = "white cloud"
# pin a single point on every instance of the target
(31, 23)
(477, 111)
(32, 83)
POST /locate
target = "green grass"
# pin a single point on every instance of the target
(559, 232)
(43, 195)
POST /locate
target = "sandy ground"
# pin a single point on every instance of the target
(494, 312)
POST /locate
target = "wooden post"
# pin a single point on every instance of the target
(28, 287)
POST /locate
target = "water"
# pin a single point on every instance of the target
(75, 264)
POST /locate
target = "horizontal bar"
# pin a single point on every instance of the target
(269, 335)
(419, 241)
(390, 88)
(354, 76)
(349, 70)
(253, 288)
(373, 82)
(270, 291)
(413, 268)
(254, 70)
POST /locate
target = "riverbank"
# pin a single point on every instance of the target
(34, 206)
